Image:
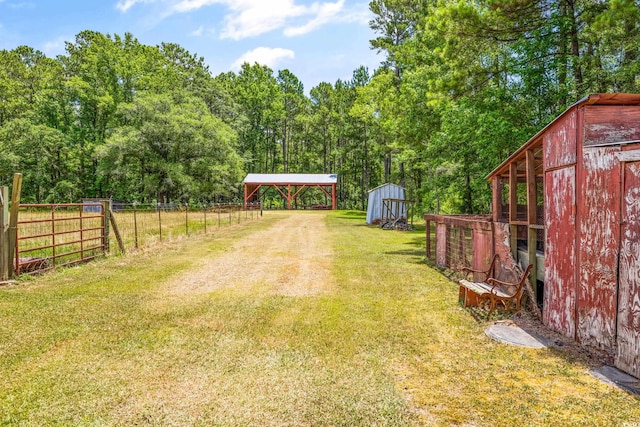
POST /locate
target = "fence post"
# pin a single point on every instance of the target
(116, 231)
(204, 212)
(5, 259)
(218, 215)
(135, 225)
(159, 222)
(105, 225)
(13, 221)
(186, 219)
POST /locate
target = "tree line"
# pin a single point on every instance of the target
(463, 84)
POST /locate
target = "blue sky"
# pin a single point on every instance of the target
(316, 40)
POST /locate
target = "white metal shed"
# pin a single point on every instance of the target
(376, 195)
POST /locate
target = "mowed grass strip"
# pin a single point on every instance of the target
(106, 344)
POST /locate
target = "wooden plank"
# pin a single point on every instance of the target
(497, 198)
(559, 305)
(598, 208)
(513, 208)
(605, 124)
(628, 319)
(559, 142)
(116, 231)
(13, 221)
(532, 213)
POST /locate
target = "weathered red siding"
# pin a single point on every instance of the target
(559, 142)
(441, 244)
(628, 356)
(598, 218)
(606, 124)
(559, 289)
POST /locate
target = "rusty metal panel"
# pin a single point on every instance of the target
(559, 288)
(559, 142)
(598, 216)
(605, 124)
(628, 353)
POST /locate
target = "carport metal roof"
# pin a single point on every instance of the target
(290, 185)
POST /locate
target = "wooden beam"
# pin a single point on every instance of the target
(497, 198)
(513, 208)
(532, 218)
(532, 193)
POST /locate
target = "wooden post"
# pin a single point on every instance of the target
(105, 226)
(497, 198)
(135, 225)
(532, 219)
(13, 222)
(428, 233)
(186, 219)
(160, 222)
(513, 208)
(5, 258)
(116, 231)
(204, 211)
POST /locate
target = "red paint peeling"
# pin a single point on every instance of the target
(628, 349)
(559, 296)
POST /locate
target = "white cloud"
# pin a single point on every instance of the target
(199, 32)
(265, 56)
(55, 47)
(250, 18)
(324, 13)
(125, 5)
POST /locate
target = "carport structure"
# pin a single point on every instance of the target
(289, 185)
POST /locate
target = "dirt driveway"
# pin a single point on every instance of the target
(293, 257)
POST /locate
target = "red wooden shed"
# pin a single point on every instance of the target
(568, 201)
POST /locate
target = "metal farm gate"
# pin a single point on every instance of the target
(52, 235)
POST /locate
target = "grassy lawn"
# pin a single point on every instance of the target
(109, 344)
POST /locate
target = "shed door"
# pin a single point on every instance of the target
(628, 357)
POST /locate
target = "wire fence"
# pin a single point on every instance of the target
(142, 225)
(54, 235)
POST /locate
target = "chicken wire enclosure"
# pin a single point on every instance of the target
(459, 247)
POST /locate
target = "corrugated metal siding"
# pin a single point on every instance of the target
(628, 355)
(598, 216)
(374, 205)
(559, 288)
